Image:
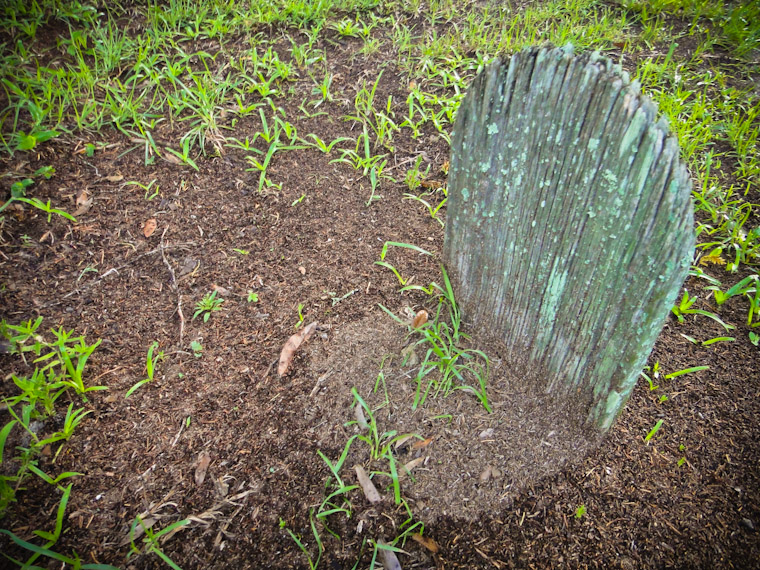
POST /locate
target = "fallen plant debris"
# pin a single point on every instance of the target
(368, 487)
(427, 542)
(156, 91)
(292, 345)
(204, 460)
(149, 227)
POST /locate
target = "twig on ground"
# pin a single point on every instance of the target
(174, 287)
(173, 284)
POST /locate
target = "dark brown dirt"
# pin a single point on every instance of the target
(505, 498)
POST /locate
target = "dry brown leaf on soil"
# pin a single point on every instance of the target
(170, 158)
(427, 542)
(83, 202)
(204, 460)
(388, 558)
(422, 444)
(360, 419)
(291, 346)
(420, 319)
(149, 227)
(367, 486)
(410, 357)
(407, 468)
(139, 530)
(221, 290)
(402, 441)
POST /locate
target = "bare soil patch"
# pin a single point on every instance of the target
(496, 490)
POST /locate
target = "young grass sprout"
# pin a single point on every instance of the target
(150, 366)
(446, 364)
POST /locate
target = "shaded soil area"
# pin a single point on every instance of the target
(522, 487)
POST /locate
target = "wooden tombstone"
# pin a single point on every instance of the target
(569, 225)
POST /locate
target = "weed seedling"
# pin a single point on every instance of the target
(684, 308)
(313, 564)
(301, 316)
(208, 305)
(150, 365)
(654, 430)
(152, 540)
(51, 539)
(387, 265)
(445, 362)
(682, 460)
(197, 348)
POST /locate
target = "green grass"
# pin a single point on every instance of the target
(57, 368)
(178, 87)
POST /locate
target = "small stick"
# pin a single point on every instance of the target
(166, 261)
(181, 319)
(174, 288)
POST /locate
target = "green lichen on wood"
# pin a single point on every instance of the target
(569, 224)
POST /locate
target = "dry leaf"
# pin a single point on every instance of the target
(410, 357)
(115, 178)
(387, 557)
(420, 319)
(170, 158)
(427, 542)
(139, 530)
(86, 229)
(407, 468)
(204, 460)
(149, 227)
(715, 259)
(289, 350)
(400, 443)
(360, 419)
(221, 290)
(367, 486)
(422, 443)
(84, 202)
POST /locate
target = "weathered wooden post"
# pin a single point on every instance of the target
(569, 225)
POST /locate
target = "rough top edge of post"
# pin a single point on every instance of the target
(630, 88)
